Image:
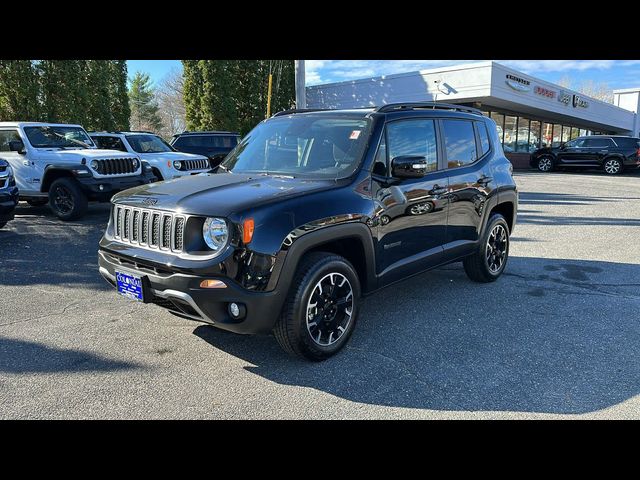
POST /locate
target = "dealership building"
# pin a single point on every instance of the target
(529, 112)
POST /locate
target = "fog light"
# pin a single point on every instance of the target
(237, 310)
(101, 187)
(212, 284)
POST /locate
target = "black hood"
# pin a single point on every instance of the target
(218, 194)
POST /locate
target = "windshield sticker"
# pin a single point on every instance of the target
(354, 135)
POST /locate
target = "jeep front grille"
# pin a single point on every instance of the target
(149, 228)
(195, 164)
(116, 166)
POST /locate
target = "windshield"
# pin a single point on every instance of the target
(149, 144)
(302, 145)
(58, 137)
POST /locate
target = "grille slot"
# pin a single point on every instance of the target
(151, 229)
(196, 164)
(115, 166)
(2, 182)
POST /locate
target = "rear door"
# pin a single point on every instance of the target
(598, 148)
(411, 212)
(25, 169)
(467, 152)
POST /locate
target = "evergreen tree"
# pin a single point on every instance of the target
(99, 115)
(144, 107)
(232, 94)
(19, 91)
(118, 94)
(64, 90)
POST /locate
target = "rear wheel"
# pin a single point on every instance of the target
(545, 164)
(612, 166)
(321, 308)
(492, 253)
(67, 200)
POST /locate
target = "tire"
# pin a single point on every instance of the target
(612, 166)
(545, 164)
(480, 267)
(38, 203)
(295, 331)
(67, 200)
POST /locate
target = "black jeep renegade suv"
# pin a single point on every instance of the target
(312, 211)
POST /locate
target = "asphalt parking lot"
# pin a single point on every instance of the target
(557, 336)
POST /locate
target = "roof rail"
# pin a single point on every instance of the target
(390, 107)
(300, 110)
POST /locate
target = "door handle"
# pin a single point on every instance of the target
(437, 190)
(484, 179)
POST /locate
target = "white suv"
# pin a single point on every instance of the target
(60, 165)
(166, 162)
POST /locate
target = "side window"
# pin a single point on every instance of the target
(598, 143)
(380, 162)
(413, 137)
(7, 136)
(484, 137)
(459, 142)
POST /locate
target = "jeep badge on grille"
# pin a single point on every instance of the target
(150, 201)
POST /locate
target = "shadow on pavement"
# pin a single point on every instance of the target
(552, 336)
(19, 356)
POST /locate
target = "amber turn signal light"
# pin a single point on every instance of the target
(247, 230)
(212, 284)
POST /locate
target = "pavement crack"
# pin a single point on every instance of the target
(62, 312)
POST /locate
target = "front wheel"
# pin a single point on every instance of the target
(321, 308)
(545, 164)
(490, 258)
(612, 166)
(66, 199)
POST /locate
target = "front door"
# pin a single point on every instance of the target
(573, 152)
(26, 173)
(411, 212)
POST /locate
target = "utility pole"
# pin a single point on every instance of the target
(269, 96)
(301, 94)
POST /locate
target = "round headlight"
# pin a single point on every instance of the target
(215, 233)
(94, 164)
(135, 163)
(177, 164)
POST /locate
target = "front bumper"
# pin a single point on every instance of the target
(181, 294)
(105, 188)
(8, 202)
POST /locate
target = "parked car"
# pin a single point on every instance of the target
(312, 211)
(611, 153)
(215, 145)
(8, 192)
(166, 162)
(60, 165)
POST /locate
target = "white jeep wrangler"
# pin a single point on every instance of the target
(166, 162)
(59, 164)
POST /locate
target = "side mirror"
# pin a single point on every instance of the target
(17, 146)
(409, 166)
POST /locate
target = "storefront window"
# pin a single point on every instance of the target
(547, 134)
(534, 135)
(499, 119)
(509, 142)
(583, 132)
(575, 132)
(522, 144)
(557, 135)
(566, 131)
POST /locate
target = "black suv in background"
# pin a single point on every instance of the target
(610, 153)
(8, 193)
(215, 145)
(312, 211)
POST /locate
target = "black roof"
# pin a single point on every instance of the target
(206, 132)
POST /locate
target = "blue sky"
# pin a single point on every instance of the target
(616, 73)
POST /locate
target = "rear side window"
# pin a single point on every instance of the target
(413, 137)
(207, 141)
(459, 142)
(629, 142)
(7, 136)
(598, 143)
(109, 143)
(484, 137)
